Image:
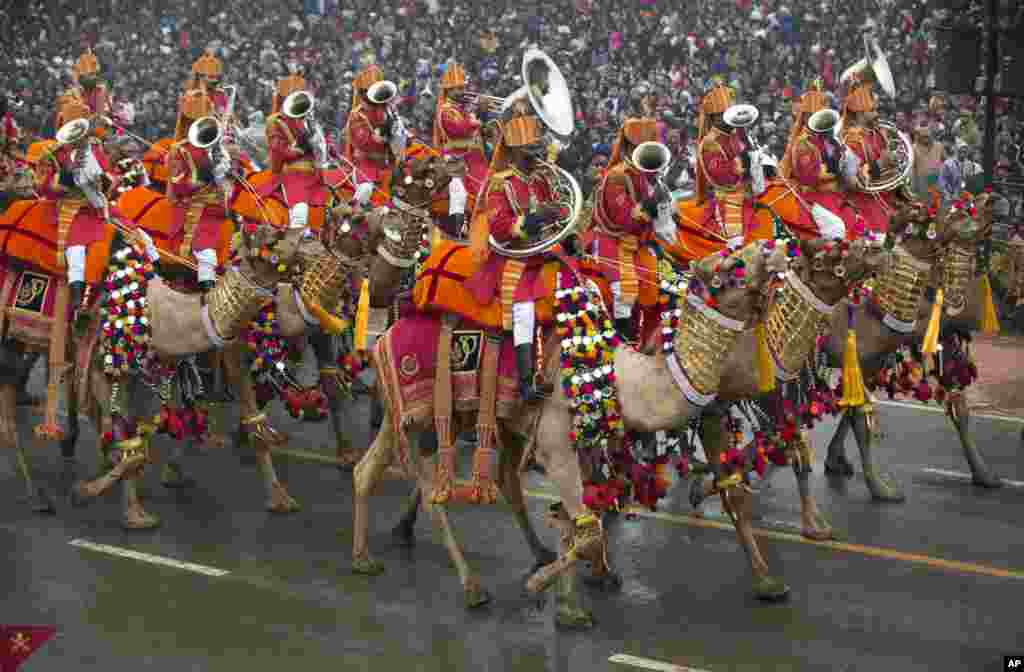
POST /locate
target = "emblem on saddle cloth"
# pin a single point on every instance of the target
(466, 351)
(31, 292)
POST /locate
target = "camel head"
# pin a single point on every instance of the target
(271, 252)
(737, 284)
(831, 267)
(968, 220)
(424, 177)
(346, 230)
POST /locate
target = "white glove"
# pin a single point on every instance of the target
(399, 139)
(830, 225)
(757, 184)
(457, 197)
(151, 251)
(221, 168)
(363, 193)
(90, 171)
(665, 225)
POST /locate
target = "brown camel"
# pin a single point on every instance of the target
(651, 400)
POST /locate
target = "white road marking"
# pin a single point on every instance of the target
(962, 476)
(648, 664)
(146, 557)
(942, 409)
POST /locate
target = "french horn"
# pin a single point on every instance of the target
(204, 133)
(382, 93)
(545, 91)
(298, 104)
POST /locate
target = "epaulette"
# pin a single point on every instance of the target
(854, 133)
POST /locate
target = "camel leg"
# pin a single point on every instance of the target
(882, 488)
(367, 474)
(172, 473)
(39, 500)
(510, 482)
(404, 530)
(814, 525)
(738, 499)
(959, 413)
(135, 516)
(836, 463)
(326, 352)
(568, 613)
(69, 468)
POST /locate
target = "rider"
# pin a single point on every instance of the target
(374, 136)
(814, 159)
(868, 154)
(9, 135)
(90, 90)
(298, 153)
(207, 73)
(456, 129)
(517, 202)
(729, 165)
(196, 187)
(625, 211)
(70, 175)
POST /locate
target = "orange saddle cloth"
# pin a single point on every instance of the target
(154, 214)
(153, 160)
(697, 241)
(646, 273)
(28, 233)
(440, 287)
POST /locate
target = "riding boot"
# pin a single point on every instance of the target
(624, 326)
(206, 285)
(76, 293)
(524, 362)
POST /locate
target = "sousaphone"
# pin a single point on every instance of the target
(545, 91)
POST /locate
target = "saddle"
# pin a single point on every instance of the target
(28, 234)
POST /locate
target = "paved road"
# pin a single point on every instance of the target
(889, 600)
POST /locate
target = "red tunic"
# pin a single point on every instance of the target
(622, 188)
(504, 218)
(817, 185)
(88, 225)
(369, 154)
(460, 136)
(8, 142)
(868, 144)
(185, 162)
(717, 158)
(293, 164)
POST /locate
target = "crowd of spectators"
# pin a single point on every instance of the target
(611, 53)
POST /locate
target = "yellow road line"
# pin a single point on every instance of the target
(694, 521)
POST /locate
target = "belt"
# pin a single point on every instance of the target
(829, 185)
(372, 156)
(461, 144)
(300, 166)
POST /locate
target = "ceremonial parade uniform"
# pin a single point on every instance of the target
(457, 131)
(367, 139)
(625, 210)
(9, 133)
(868, 145)
(295, 166)
(71, 176)
(813, 160)
(720, 165)
(90, 91)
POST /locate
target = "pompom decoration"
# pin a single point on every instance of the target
(272, 358)
(124, 322)
(588, 344)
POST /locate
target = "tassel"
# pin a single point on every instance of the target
(853, 379)
(765, 365)
(479, 238)
(930, 345)
(331, 324)
(989, 319)
(435, 240)
(362, 317)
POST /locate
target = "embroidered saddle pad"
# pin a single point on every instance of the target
(155, 215)
(28, 233)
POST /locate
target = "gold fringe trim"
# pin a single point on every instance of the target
(510, 277)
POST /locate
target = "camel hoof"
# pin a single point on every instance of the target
(986, 480)
(403, 535)
(367, 567)
(839, 466)
(573, 618)
(476, 596)
(883, 490)
(40, 502)
(173, 476)
(770, 589)
(544, 556)
(140, 521)
(608, 582)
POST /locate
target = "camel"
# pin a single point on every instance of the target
(650, 398)
(947, 262)
(180, 325)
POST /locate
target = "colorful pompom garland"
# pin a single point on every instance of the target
(953, 369)
(270, 371)
(588, 342)
(125, 329)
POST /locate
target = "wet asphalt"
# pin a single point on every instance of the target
(290, 598)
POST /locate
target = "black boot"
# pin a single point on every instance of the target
(624, 326)
(206, 285)
(77, 292)
(524, 362)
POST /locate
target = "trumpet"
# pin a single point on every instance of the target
(481, 101)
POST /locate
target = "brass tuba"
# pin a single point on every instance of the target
(205, 132)
(545, 90)
(298, 104)
(382, 93)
